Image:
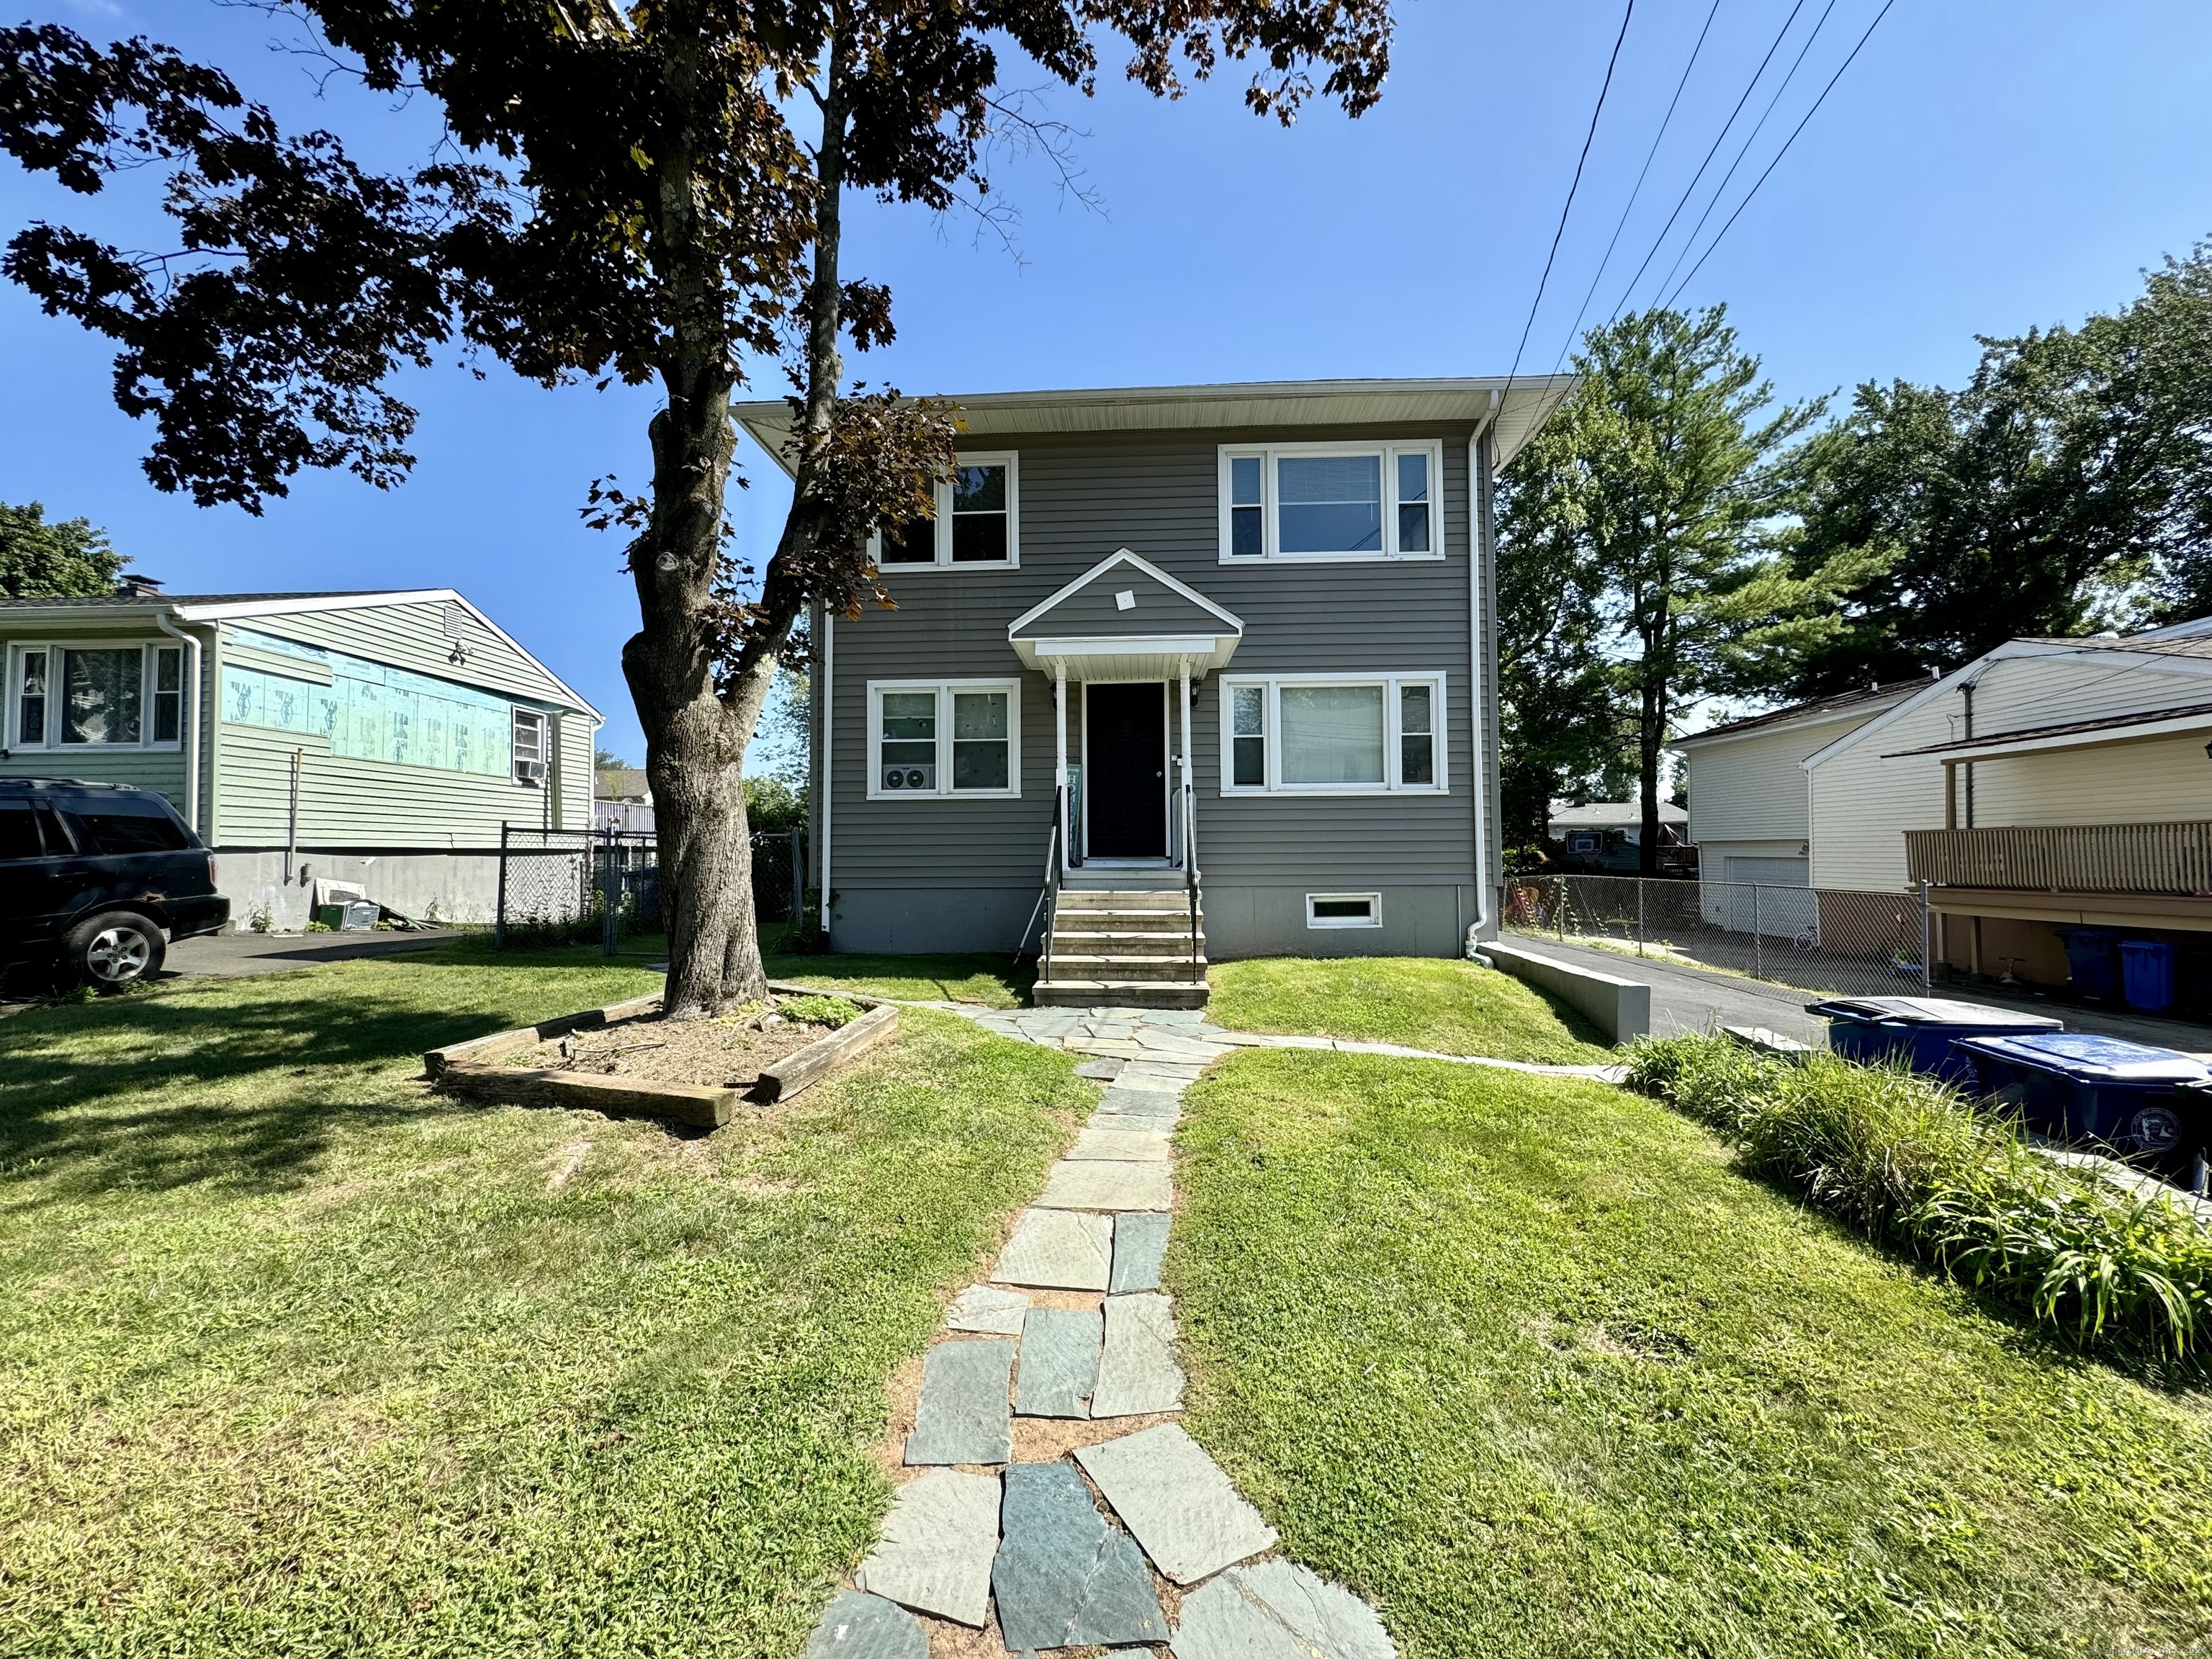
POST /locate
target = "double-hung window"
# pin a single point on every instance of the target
(1330, 502)
(944, 738)
(977, 522)
(527, 744)
(95, 696)
(1331, 734)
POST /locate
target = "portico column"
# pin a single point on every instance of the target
(1060, 765)
(1188, 803)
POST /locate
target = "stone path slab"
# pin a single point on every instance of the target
(1138, 1372)
(935, 1554)
(963, 1416)
(1099, 1070)
(1060, 1363)
(1176, 1498)
(1058, 1249)
(1278, 1610)
(1140, 1241)
(987, 1310)
(1115, 1144)
(1083, 1184)
(1063, 1575)
(859, 1626)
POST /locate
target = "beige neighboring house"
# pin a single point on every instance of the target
(2051, 783)
(1750, 809)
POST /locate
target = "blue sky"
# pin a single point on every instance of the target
(1985, 166)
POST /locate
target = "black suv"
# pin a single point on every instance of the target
(96, 879)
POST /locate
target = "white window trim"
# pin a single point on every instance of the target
(1372, 919)
(516, 714)
(1439, 727)
(1270, 537)
(1011, 460)
(945, 689)
(11, 717)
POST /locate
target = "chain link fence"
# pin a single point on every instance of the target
(568, 886)
(1822, 939)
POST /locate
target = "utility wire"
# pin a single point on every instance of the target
(1718, 139)
(1650, 155)
(1750, 138)
(1785, 150)
(1569, 206)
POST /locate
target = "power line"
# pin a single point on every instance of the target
(1785, 150)
(1750, 138)
(1719, 138)
(1568, 206)
(1650, 155)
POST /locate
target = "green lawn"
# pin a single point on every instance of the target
(1446, 1007)
(993, 982)
(1528, 1362)
(301, 1359)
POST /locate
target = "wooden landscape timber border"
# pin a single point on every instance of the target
(471, 1068)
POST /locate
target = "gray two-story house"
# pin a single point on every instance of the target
(1177, 671)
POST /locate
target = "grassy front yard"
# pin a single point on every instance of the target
(1528, 1362)
(299, 1359)
(1445, 1006)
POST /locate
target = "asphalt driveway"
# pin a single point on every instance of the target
(235, 956)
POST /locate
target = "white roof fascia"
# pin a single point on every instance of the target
(2010, 650)
(1125, 556)
(1864, 711)
(2106, 738)
(2193, 629)
(364, 601)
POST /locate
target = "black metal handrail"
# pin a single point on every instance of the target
(1191, 870)
(1048, 901)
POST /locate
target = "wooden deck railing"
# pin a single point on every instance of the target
(2076, 858)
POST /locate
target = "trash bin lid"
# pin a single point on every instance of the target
(1934, 1011)
(2087, 1058)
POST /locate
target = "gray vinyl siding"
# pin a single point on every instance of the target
(1082, 498)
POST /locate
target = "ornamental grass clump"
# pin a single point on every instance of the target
(1911, 1161)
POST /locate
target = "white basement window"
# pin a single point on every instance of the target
(945, 737)
(978, 522)
(95, 695)
(1330, 502)
(530, 746)
(1344, 910)
(1330, 734)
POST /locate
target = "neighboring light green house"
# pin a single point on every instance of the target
(378, 739)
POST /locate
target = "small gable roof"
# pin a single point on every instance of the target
(1124, 594)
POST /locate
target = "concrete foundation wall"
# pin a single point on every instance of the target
(463, 886)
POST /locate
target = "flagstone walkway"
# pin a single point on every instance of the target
(1137, 1540)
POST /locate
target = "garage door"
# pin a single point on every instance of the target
(1772, 872)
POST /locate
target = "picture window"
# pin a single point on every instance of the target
(1331, 734)
(1330, 502)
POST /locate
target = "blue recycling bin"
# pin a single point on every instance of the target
(2148, 972)
(1919, 1031)
(2092, 957)
(2145, 1103)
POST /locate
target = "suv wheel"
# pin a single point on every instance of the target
(115, 951)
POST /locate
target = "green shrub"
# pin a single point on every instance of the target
(1907, 1159)
(833, 1011)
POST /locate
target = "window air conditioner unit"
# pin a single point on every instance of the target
(910, 777)
(530, 771)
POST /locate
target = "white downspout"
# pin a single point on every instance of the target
(1478, 552)
(192, 708)
(828, 701)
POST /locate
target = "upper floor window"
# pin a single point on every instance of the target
(96, 696)
(1330, 502)
(978, 519)
(1331, 734)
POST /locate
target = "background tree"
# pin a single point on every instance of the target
(66, 560)
(654, 192)
(2067, 488)
(1649, 499)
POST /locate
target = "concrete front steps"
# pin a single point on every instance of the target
(1123, 947)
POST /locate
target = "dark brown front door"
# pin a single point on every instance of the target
(1125, 770)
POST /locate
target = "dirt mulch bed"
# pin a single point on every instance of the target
(725, 1052)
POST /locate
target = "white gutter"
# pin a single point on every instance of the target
(192, 708)
(828, 702)
(1479, 554)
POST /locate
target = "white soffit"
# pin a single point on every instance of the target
(1458, 401)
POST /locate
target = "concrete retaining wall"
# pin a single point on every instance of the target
(463, 886)
(1620, 1008)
